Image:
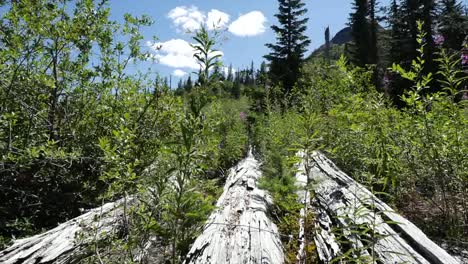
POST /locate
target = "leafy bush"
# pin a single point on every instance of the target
(416, 154)
(278, 137)
(57, 103)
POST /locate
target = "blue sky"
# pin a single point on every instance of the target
(246, 23)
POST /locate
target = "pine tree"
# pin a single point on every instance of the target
(373, 24)
(400, 43)
(252, 74)
(200, 80)
(360, 33)
(217, 74)
(364, 30)
(236, 88)
(287, 53)
(222, 75)
(180, 84)
(397, 33)
(409, 14)
(327, 44)
(412, 12)
(403, 20)
(230, 75)
(262, 75)
(180, 88)
(246, 77)
(188, 84)
(453, 24)
(428, 17)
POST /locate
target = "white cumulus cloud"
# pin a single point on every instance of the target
(179, 73)
(216, 19)
(250, 24)
(225, 70)
(188, 18)
(176, 53)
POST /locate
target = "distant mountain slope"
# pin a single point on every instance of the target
(337, 45)
(342, 37)
(339, 41)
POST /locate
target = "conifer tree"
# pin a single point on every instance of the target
(230, 75)
(453, 23)
(373, 24)
(246, 77)
(217, 74)
(364, 26)
(412, 11)
(403, 20)
(180, 84)
(287, 53)
(400, 43)
(252, 74)
(428, 17)
(327, 44)
(360, 33)
(262, 74)
(397, 34)
(188, 84)
(236, 88)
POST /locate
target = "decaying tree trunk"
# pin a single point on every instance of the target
(239, 230)
(350, 219)
(63, 243)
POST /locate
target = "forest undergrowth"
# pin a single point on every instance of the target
(78, 130)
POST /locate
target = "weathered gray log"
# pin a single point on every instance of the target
(366, 226)
(239, 230)
(304, 196)
(61, 245)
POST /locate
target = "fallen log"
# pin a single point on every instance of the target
(353, 222)
(239, 230)
(349, 221)
(62, 244)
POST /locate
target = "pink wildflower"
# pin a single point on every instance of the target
(439, 40)
(243, 116)
(464, 59)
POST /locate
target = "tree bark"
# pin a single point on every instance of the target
(349, 218)
(239, 230)
(62, 244)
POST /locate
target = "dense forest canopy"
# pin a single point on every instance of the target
(385, 99)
